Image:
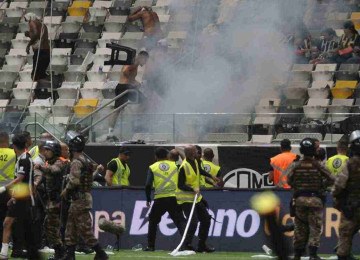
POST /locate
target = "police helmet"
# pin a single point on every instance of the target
(53, 146)
(307, 147)
(75, 141)
(355, 142)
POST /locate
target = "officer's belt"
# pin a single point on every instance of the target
(165, 180)
(2, 173)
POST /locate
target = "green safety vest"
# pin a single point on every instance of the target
(34, 152)
(336, 163)
(212, 169)
(7, 164)
(165, 178)
(121, 176)
(192, 180)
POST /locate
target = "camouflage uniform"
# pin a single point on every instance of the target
(307, 177)
(53, 173)
(78, 187)
(347, 189)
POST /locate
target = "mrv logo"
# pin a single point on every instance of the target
(228, 223)
(247, 178)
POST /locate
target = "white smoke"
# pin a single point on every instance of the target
(233, 53)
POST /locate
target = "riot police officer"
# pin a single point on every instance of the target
(308, 178)
(347, 199)
(53, 172)
(78, 190)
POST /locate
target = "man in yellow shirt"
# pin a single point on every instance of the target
(336, 163)
(7, 170)
(118, 171)
(163, 175)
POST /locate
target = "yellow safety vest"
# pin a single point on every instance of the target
(34, 152)
(336, 163)
(212, 169)
(165, 178)
(202, 178)
(121, 176)
(7, 164)
(192, 180)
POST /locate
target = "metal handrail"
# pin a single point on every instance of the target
(103, 118)
(57, 139)
(109, 102)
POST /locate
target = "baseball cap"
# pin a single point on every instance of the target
(125, 150)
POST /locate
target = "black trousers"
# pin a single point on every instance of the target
(43, 63)
(160, 207)
(4, 198)
(200, 215)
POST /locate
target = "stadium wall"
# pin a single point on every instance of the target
(237, 226)
(242, 166)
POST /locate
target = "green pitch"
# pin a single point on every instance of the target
(139, 255)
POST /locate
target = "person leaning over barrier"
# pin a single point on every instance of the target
(118, 171)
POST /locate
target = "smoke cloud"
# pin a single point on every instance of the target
(234, 52)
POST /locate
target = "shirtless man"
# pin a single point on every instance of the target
(127, 77)
(151, 24)
(40, 49)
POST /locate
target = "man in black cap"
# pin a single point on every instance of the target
(118, 170)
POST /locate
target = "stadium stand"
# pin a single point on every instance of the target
(80, 30)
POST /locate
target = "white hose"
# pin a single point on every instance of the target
(176, 250)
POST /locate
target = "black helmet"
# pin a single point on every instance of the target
(53, 146)
(355, 142)
(75, 141)
(307, 147)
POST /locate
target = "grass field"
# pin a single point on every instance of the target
(165, 255)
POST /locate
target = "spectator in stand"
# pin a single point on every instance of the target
(127, 78)
(302, 46)
(41, 57)
(324, 47)
(151, 24)
(348, 44)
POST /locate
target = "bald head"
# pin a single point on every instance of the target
(64, 151)
(208, 154)
(174, 155)
(190, 152)
(46, 136)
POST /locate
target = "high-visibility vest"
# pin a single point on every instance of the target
(121, 176)
(280, 163)
(336, 163)
(212, 169)
(34, 152)
(192, 180)
(202, 178)
(165, 178)
(7, 164)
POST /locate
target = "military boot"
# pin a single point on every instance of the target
(313, 253)
(59, 253)
(100, 253)
(70, 253)
(298, 254)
